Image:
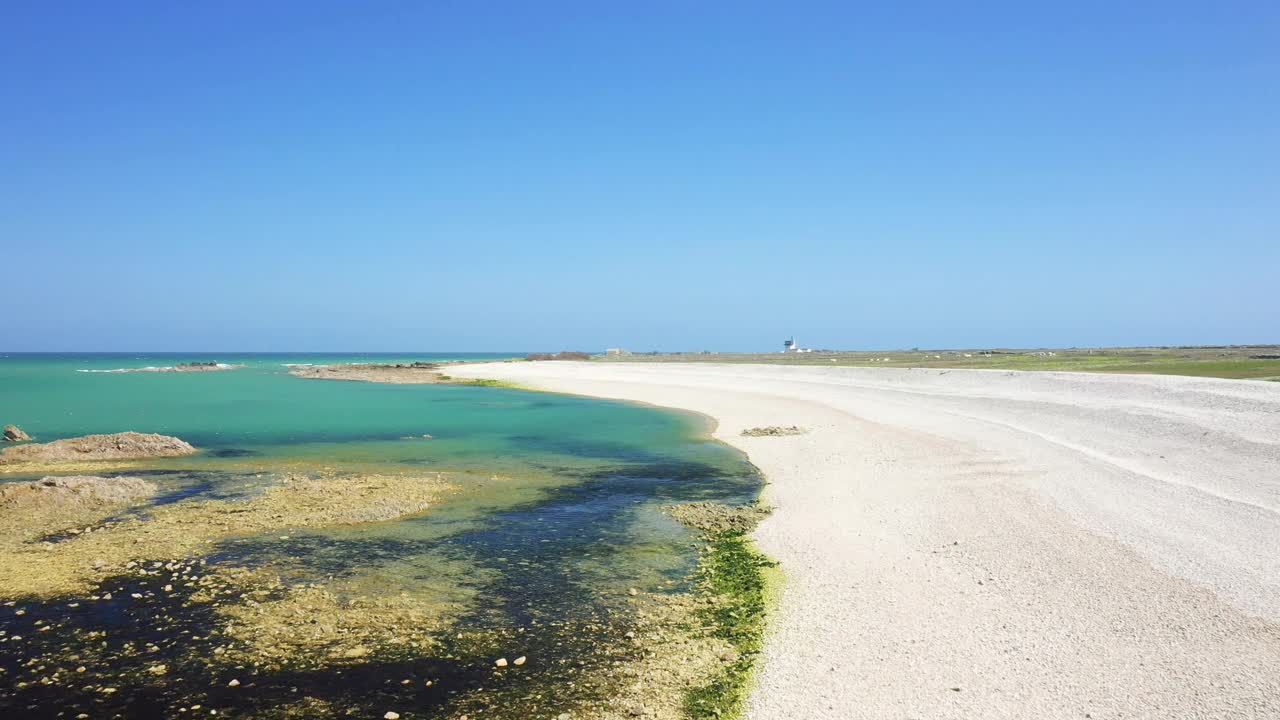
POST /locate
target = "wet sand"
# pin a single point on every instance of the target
(962, 544)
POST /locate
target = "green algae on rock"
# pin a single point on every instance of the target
(733, 580)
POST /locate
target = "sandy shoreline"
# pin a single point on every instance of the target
(964, 544)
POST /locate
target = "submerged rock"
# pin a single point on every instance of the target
(172, 531)
(711, 517)
(117, 446)
(13, 433)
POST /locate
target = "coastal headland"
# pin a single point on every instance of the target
(990, 543)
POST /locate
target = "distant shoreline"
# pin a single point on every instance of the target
(1257, 362)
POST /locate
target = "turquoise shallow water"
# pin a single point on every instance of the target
(557, 510)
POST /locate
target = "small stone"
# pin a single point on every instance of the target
(13, 433)
(502, 662)
(562, 716)
(633, 591)
(234, 683)
(520, 660)
(391, 716)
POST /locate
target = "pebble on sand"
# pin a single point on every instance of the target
(234, 683)
(502, 662)
(520, 660)
(391, 715)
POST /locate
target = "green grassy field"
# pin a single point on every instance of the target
(1237, 361)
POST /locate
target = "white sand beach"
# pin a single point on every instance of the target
(991, 544)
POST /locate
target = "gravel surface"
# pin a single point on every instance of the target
(993, 544)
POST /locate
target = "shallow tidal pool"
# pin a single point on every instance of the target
(545, 576)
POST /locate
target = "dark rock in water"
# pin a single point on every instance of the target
(13, 433)
(232, 453)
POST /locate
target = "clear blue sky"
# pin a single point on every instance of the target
(489, 176)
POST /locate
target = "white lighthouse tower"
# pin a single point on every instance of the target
(789, 345)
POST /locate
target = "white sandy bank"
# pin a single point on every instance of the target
(989, 544)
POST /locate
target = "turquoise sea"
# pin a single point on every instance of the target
(556, 514)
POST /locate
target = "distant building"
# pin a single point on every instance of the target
(617, 352)
(789, 346)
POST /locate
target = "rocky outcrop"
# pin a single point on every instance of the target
(117, 446)
(73, 492)
(210, 366)
(13, 433)
(416, 373)
(773, 431)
